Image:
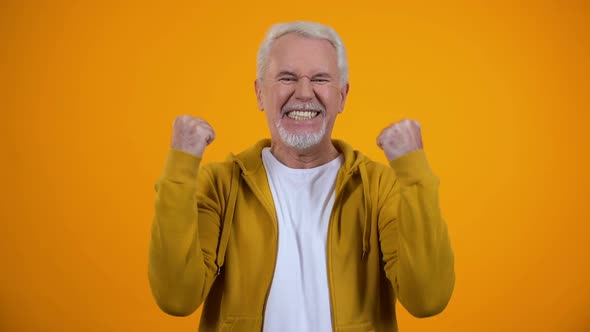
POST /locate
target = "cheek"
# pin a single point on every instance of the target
(329, 96)
(279, 94)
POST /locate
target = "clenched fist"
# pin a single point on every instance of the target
(400, 138)
(192, 135)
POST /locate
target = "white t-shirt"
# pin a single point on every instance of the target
(299, 298)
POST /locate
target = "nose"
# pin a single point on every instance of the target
(304, 89)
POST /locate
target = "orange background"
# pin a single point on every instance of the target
(89, 91)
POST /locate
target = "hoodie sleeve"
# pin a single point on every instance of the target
(184, 236)
(417, 253)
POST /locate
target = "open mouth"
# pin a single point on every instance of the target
(302, 115)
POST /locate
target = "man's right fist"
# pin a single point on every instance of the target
(192, 135)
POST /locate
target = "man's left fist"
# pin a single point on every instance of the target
(400, 138)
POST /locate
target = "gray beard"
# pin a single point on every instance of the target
(302, 141)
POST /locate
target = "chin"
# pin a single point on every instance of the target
(301, 141)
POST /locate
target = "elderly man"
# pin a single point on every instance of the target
(299, 232)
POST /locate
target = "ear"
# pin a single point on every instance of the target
(258, 91)
(343, 94)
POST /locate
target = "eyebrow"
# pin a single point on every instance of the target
(285, 73)
(322, 74)
(288, 73)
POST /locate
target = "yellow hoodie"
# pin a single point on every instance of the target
(386, 240)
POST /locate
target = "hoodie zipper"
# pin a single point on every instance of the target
(274, 266)
(337, 195)
(276, 242)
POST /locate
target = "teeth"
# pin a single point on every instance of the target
(302, 115)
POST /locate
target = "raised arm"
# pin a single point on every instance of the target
(181, 266)
(414, 239)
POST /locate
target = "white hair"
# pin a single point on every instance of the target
(306, 29)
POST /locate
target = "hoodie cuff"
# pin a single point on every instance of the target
(181, 166)
(412, 167)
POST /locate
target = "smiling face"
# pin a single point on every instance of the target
(300, 91)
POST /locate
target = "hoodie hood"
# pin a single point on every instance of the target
(250, 163)
(250, 160)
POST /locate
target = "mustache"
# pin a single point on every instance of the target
(303, 107)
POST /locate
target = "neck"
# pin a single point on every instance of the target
(315, 156)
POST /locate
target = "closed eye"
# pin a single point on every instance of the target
(287, 79)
